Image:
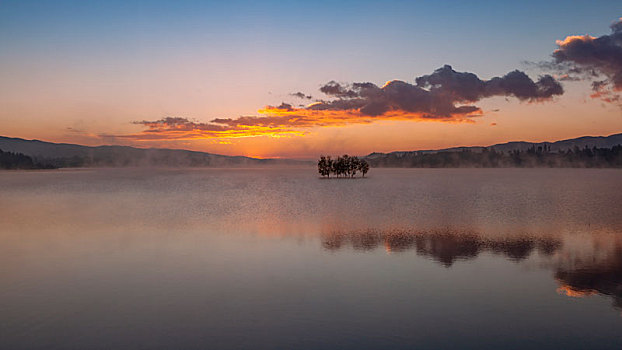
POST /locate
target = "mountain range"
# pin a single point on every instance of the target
(556, 146)
(72, 155)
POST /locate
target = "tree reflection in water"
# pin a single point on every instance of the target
(579, 273)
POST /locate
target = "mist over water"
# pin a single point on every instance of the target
(278, 258)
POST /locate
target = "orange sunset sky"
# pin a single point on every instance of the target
(244, 79)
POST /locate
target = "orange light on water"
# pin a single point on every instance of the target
(574, 292)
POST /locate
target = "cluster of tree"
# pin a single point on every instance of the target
(539, 156)
(10, 160)
(343, 166)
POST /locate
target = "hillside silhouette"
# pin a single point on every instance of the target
(540, 156)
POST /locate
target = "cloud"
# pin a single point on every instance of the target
(445, 95)
(467, 87)
(567, 77)
(602, 90)
(178, 128)
(301, 95)
(592, 57)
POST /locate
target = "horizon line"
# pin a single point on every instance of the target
(304, 159)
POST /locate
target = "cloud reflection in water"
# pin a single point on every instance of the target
(579, 273)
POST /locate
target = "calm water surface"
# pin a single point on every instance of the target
(279, 259)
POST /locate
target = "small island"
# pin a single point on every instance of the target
(344, 166)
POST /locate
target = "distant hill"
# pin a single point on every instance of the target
(587, 151)
(523, 154)
(563, 145)
(70, 155)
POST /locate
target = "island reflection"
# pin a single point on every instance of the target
(581, 270)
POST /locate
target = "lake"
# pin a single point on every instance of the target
(281, 259)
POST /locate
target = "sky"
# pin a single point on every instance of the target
(299, 79)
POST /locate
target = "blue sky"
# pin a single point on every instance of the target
(357, 39)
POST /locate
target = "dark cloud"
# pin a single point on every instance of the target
(285, 106)
(467, 87)
(519, 85)
(591, 57)
(436, 95)
(301, 95)
(333, 88)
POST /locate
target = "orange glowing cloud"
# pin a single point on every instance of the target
(176, 128)
(443, 96)
(309, 117)
(573, 38)
(272, 122)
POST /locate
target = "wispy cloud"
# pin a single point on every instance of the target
(179, 128)
(301, 95)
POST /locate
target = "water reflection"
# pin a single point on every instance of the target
(592, 276)
(446, 247)
(579, 272)
(274, 259)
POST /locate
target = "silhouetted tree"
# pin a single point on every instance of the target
(363, 167)
(322, 167)
(10, 160)
(345, 166)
